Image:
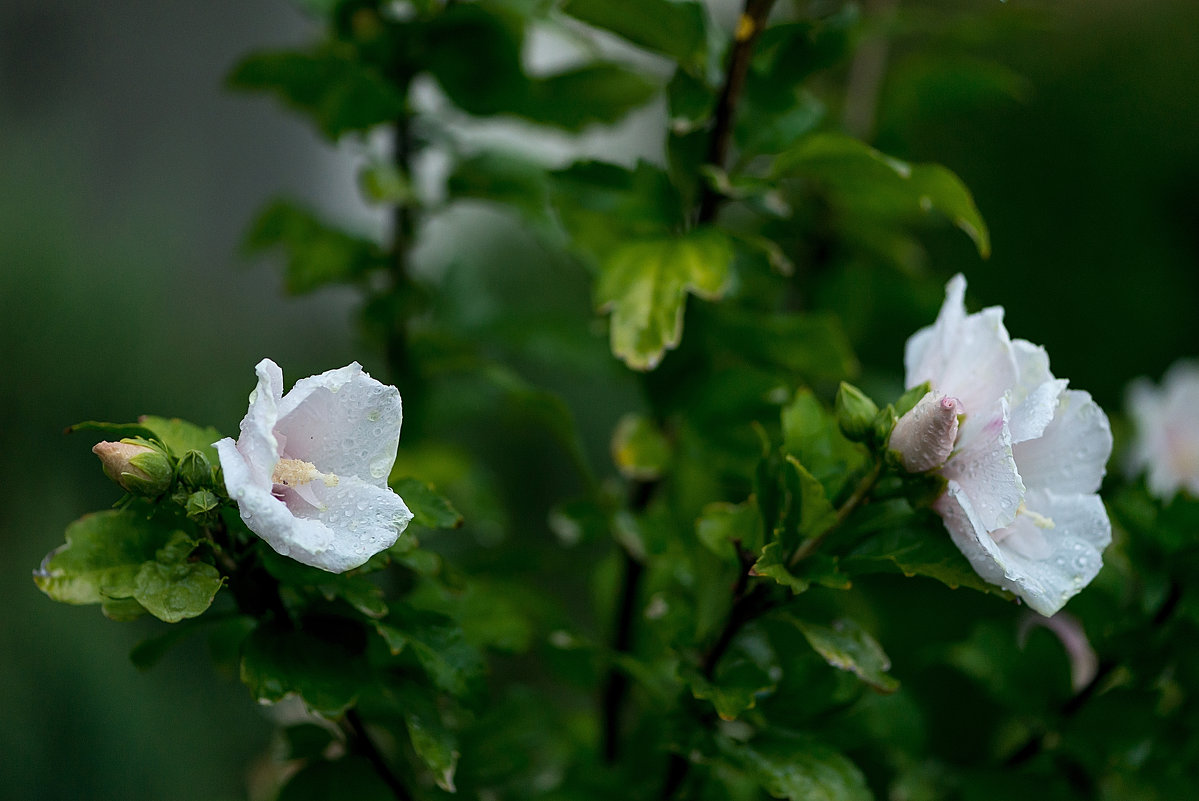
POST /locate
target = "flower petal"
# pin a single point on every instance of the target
(1065, 561)
(1071, 455)
(968, 357)
(361, 520)
(984, 468)
(257, 442)
(1034, 396)
(344, 422)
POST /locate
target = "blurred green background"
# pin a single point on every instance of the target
(128, 175)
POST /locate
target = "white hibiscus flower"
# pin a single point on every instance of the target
(1025, 464)
(1167, 431)
(309, 471)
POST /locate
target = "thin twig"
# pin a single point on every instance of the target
(749, 28)
(859, 494)
(365, 745)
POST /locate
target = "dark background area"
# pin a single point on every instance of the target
(127, 175)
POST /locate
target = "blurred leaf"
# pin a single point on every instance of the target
(808, 513)
(306, 740)
(102, 557)
(725, 527)
(150, 651)
(774, 121)
(349, 777)
(178, 435)
(505, 178)
(434, 744)
(811, 345)
(735, 690)
(796, 766)
(317, 254)
(602, 206)
(275, 664)
(868, 183)
(439, 647)
(332, 86)
(382, 182)
(674, 29)
(172, 587)
(429, 509)
(594, 93)
(847, 646)
(644, 284)
(788, 53)
(917, 547)
(355, 589)
(639, 449)
(773, 564)
(812, 435)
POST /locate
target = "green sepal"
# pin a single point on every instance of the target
(194, 470)
(856, 413)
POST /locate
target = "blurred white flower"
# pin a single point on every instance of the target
(1027, 460)
(1166, 419)
(309, 471)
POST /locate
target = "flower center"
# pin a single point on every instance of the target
(297, 473)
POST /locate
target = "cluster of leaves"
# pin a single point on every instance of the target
(715, 615)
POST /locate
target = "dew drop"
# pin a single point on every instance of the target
(373, 415)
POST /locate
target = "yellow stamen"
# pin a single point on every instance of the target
(1039, 520)
(297, 473)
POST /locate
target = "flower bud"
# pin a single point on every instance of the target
(855, 413)
(195, 471)
(136, 465)
(200, 503)
(925, 436)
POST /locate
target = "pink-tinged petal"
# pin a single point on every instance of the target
(1167, 430)
(1047, 572)
(984, 468)
(360, 518)
(1071, 455)
(924, 437)
(344, 422)
(1034, 396)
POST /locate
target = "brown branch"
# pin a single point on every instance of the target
(749, 28)
(364, 744)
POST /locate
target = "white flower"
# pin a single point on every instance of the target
(1026, 462)
(309, 471)
(1167, 431)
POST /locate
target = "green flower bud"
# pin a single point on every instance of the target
(200, 503)
(138, 466)
(855, 413)
(195, 471)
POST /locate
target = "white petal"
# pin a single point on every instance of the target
(257, 442)
(969, 357)
(984, 468)
(1071, 455)
(1064, 562)
(360, 518)
(1035, 394)
(344, 422)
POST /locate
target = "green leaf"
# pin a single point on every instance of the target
(102, 557)
(868, 183)
(317, 254)
(644, 284)
(639, 449)
(332, 86)
(349, 777)
(813, 345)
(355, 589)
(674, 29)
(809, 512)
(179, 436)
(439, 647)
(735, 691)
(796, 766)
(847, 646)
(173, 588)
(275, 664)
(306, 740)
(602, 206)
(725, 526)
(434, 744)
(772, 563)
(599, 93)
(429, 509)
(812, 435)
(505, 178)
(919, 546)
(150, 651)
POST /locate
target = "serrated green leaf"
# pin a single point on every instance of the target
(796, 766)
(338, 91)
(725, 526)
(811, 434)
(316, 253)
(602, 205)
(644, 285)
(429, 509)
(434, 744)
(735, 691)
(102, 557)
(674, 29)
(773, 564)
(918, 547)
(275, 664)
(173, 588)
(847, 646)
(438, 646)
(809, 512)
(865, 182)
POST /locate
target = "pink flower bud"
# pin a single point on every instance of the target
(924, 437)
(140, 469)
